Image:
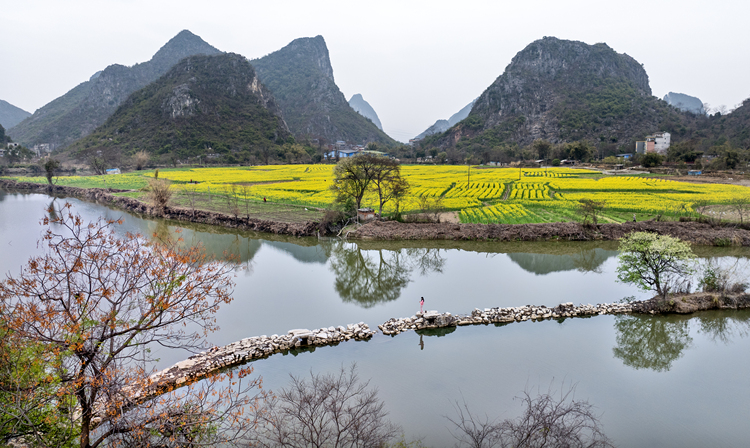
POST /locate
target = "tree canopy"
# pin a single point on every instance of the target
(654, 262)
(354, 176)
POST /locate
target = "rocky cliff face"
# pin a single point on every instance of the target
(203, 105)
(685, 103)
(363, 108)
(11, 115)
(88, 105)
(300, 77)
(562, 90)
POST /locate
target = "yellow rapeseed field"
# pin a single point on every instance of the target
(479, 194)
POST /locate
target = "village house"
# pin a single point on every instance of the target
(41, 149)
(342, 153)
(658, 143)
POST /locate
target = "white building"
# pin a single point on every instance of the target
(661, 142)
(42, 149)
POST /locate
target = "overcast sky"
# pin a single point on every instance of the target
(413, 61)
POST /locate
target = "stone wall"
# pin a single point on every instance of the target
(205, 363)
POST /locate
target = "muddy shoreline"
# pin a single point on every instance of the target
(694, 232)
(106, 197)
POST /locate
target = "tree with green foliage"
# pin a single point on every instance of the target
(654, 262)
(651, 160)
(31, 410)
(579, 150)
(542, 147)
(732, 159)
(50, 167)
(388, 183)
(352, 177)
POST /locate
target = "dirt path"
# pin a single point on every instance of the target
(449, 217)
(506, 193)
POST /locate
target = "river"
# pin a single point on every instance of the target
(675, 381)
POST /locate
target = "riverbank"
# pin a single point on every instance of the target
(107, 197)
(694, 232)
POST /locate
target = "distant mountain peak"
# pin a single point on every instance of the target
(300, 76)
(11, 115)
(443, 125)
(213, 101)
(313, 49)
(358, 103)
(562, 91)
(88, 105)
(685, 103)
(184, 44)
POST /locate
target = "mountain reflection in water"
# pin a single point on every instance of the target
(656, 342)
(583, 260)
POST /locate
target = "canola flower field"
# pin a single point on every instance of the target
(478, 195)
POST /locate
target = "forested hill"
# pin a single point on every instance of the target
(300, 76)
(204, 105)
(565, 91)
(88, 105)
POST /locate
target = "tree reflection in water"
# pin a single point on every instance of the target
(377, 276)
(589, 261)
(649, 342)
(655, 342)
(724, 326)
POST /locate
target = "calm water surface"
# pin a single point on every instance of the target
(669, 381)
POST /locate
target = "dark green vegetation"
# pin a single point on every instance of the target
(300, 77)
(11, 115)
(567, 91)
(88, 105)
(204, 106)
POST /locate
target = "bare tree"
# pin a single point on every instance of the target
(332, 411)
(741, 207)
(190, 190)
(470, 430)
(140, 159)
(590, 211)
(95, 302)
(98, 165)
(246, 195)
(547, 421)
(231, 195)
(159, 193)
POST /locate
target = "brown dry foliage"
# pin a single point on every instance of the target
(159, 193)
(97, 301)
